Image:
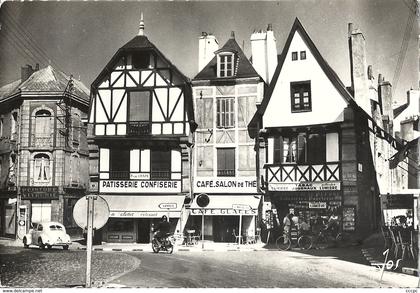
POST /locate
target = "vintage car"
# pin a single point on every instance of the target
(47, 234)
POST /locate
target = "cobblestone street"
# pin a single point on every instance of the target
(56, 268)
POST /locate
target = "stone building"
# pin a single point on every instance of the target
(43, 149)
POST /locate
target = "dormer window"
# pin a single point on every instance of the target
(225, 64)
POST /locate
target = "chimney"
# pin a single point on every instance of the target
(37, 67)
(207, 45)
(264, 53)
(359, 70)
(385, 98)
(26, 72)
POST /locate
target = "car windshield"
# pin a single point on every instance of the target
(56, 227)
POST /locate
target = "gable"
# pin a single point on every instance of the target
(327, 103)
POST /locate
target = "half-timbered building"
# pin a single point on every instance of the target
(141, 120)
(225, 91)
(326, 145)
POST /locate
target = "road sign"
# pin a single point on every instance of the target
(241, 207)
(100, 212)
(168, 206)
(203, 200)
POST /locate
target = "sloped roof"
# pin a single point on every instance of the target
(332, 76)
(44, 80)
(243, 68)
(135, 44)
(397, 111)
(7, 89)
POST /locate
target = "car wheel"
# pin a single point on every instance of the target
(65, 247)
(25, 242)
(40, 244)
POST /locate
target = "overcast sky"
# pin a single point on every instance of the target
(81, 37)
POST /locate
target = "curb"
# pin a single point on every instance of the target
(410, 271)
(179, 249)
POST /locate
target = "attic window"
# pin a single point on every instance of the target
(141, 60)
(294, 56)
(225, 64)
(301, 96)
(302, 55)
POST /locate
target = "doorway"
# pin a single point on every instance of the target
(143, 230)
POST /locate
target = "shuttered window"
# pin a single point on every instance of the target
(225, 162)
(225, 112)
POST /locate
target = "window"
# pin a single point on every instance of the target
(139, 106)
(120, 164)
(43, 128)
(160, 164)
(42, 169)
(13, 126)
(1, 127)
(302, 55)
(294, 56)
(301, 148)
(226, 65)
(225, 162)
(225, 112)
(75, 169)
(76, 127)
(301, 96)
(141, 60)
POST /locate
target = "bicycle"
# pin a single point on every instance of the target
(325, 237)
(303, 241)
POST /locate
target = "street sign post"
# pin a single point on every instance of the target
(203, 200)
(91, 212)
(240, 207)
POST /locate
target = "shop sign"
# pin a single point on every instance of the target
(241, 207)
(231, 185)
(223, 212)
(317, 205)
(142, 214)
(168, 206)
(139, 176)
(304, 186)
(139, 186)
(39, 192)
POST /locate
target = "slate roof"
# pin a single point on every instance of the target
(243, 66)
(45, 80)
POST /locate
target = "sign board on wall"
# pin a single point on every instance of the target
(224, 185)
(143, 214)
(39, 192)
(349, 218)
(317, 205)
(139, 186)
(304, 186)
(223, 212)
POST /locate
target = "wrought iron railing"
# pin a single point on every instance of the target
(160, 175)
(226, 173)
(125, 175)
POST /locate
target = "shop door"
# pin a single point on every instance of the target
(223, 227)
(143, 231)
(41, 212)
(10, 219)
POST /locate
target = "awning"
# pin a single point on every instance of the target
(228, 205)
(151, 206)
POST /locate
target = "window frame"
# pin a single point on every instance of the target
(159, 174)
(129, 105)
(223, 115)
(294, 56)
(42, 158)
(300, 85)
(225, 64)
(302, 55)
(219, 170)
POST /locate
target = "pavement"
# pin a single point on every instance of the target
(371, 250)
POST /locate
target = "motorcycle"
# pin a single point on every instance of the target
(166, 243)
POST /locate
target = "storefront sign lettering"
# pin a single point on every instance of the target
(144, 214)
(168, 206)
(137, 176)
(238, 185)
(304, 186)
(139, 186)
(39, 192)
(219, 212)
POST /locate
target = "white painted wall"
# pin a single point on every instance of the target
(207, 45)
(327, 103)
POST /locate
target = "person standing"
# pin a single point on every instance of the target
(287, 223)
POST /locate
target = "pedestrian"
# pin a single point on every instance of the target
(287, 223)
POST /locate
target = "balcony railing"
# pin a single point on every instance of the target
(160, 175)
(283, 173)
(119, 175)
(136, 128)
(42, 141)
(226, 173)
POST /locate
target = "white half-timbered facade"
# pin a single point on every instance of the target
(141, 120)
(322, 149)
